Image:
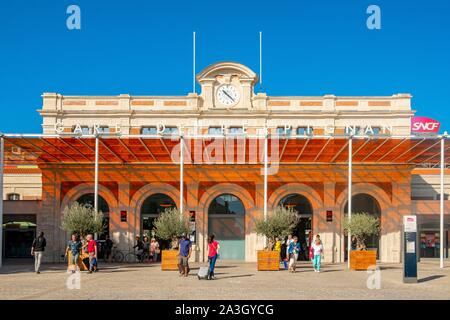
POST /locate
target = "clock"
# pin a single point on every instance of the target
(228, 95)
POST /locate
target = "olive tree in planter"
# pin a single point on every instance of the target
(279, 224)
(170, 225)
(361, 226)
(82, 220)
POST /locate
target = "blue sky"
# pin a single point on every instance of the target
(144, 48)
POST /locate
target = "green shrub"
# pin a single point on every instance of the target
(280, 224)
(361, 226)
(171, 224)
(81, 219)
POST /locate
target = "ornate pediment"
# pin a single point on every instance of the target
(227, 68)
(227, 85)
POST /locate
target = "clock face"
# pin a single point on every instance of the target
(227, 95)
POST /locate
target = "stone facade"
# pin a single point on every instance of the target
(255, 110)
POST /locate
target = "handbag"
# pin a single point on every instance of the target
(157, 251)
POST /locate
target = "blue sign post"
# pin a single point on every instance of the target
(410, 249)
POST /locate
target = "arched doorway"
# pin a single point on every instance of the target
(88, 200)
(364, 202)
(151, 208)
(226, 220)
(303, 230)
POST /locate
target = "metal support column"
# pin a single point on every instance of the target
(96, 179)
(266, 147)
(442, 203)
(2, 149)
(349, 202)
(181, 174)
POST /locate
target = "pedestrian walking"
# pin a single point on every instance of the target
(316, 254)
(288, 243)
(73, 247)
(37, 250)
(293, 251)
(277, 247)
(140, 248)
(213, 254)
(184, 253)
(91, 246)
(108, 249)
(154, 249)
(146, 251)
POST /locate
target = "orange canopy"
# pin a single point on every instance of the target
(55, 150)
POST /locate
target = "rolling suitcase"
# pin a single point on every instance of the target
(203, 273)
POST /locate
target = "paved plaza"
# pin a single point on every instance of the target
(235, 281)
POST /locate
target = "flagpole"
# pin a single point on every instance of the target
(441, 203)
(349, 201)
(193, 61)
(260, 61)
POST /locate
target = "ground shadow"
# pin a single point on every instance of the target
(220, 277)
(430, 278)
(112, 271)
(389, 268)
(216, 267)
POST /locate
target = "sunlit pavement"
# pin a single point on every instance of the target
(234, 281)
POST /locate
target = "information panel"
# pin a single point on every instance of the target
(410, 249)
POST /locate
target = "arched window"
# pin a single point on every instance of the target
(226, 204)
(88, 199)
(299, 203)
(13, 196)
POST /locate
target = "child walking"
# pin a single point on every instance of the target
(315, 254)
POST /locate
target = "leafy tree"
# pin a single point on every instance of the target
(82, 219)
(280, 224)
(170, 225)
(361, 226)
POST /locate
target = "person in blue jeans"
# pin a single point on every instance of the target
(293, 251)
(316, 254)
(74, 247)
(213, 253)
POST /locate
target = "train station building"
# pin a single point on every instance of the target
(243, 153)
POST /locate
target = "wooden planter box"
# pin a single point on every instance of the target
(268, 260)
(362, 260)
(169, 260)
(80, 263)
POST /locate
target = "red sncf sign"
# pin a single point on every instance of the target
(424, 125)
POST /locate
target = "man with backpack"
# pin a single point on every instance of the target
(37, 250)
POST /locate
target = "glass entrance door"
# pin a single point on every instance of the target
(226, 220)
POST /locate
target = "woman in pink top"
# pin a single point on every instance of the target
(213, 252)
(154, 249)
